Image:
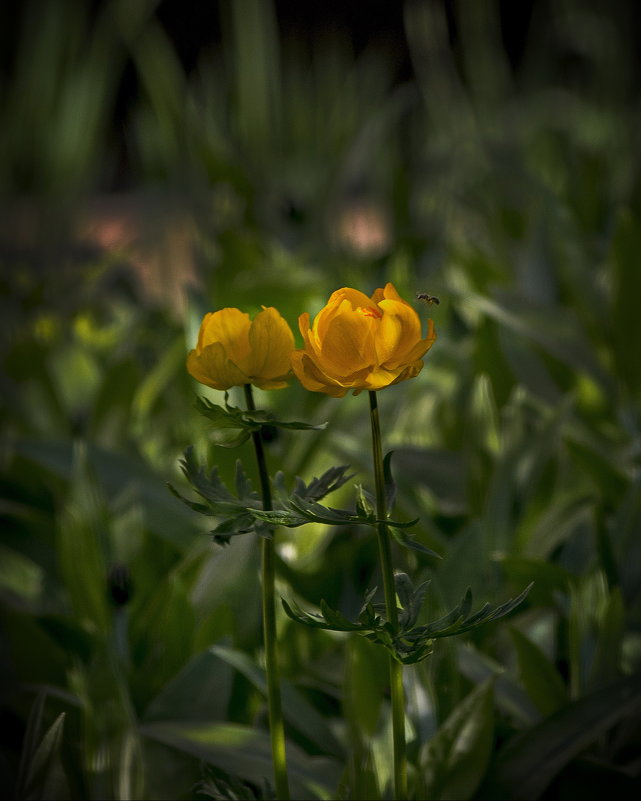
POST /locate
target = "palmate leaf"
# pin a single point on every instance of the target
(407, 643)
(318, 488)
(234, 511)
(231, 418)
(457, 621)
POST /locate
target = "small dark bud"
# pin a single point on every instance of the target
(269, 433)
(119, 584)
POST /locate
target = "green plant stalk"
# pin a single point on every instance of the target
(385, 555)
(274, 703)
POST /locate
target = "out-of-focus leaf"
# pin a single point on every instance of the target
(626, 286)
(510, 698)
(560, 335)
(161, 637)
(298, 712)
(246, 751)
(453, 763)
(390, 484)
(441, 472)
(547, 578)
(200, 691)
(366, 682)
(164, 515)
(540, 678)
(81, 547)
(606, 664)
(527, 764)
(41, 775)
(557, 524)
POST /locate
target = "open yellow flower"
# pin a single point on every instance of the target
(233, 350)
(361, 343)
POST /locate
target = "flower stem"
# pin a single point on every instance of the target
(276, 723)
(385, 555)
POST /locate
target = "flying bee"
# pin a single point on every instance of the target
(429, 299)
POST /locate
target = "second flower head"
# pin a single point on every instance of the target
(361, 343)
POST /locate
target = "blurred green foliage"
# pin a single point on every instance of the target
(271, 174)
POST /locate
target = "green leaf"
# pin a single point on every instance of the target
(297, 710)
(246, 751)
(332, 479)
(626, 286)
(448, 621)
(41, 775)
(277, 517)
(336, 619)
(547, 578)
(509, 696)
(540, 678)
(364, 506)
(455, 760)
(81, 546)
(406, 540)
(200, 691)
(411, 599)
(300, 616)
(611, 630)
(231, 417)
(366, 683)
(115, 473)
(390, 484)
(237, 512)
(530, 761)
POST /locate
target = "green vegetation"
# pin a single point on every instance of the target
(132, 664)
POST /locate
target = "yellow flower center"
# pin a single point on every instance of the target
(370, 311)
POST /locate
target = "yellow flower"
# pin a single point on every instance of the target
(233, 350)
(361, 343)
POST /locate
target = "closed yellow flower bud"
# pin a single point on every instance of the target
(361, 343)
(233, 350)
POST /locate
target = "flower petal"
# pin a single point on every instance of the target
(354, 296)
(347, 344)
(311, 378)
(399, 332)
(361, 343)
(213, 368)
(271, 344)
(230, 327)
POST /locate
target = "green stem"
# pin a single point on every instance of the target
(385, 555)
(276, 722)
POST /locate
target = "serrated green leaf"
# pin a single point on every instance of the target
(403, 538)
(337, 619)
(416, 603)
(201, 508)
(448, 621)
(228, 417)
(294, 612)
(278, 517)
(364, 506)
(317, 513)
(332, 479)
(231, 417)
